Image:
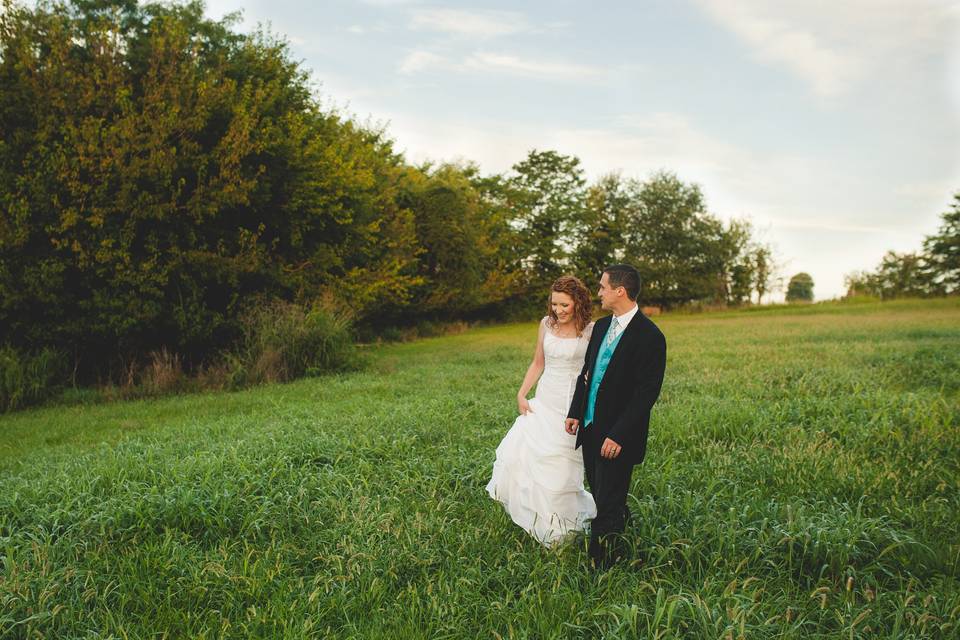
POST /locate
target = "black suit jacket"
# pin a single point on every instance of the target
(630, 386)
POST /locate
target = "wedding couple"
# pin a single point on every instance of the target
(597, 385)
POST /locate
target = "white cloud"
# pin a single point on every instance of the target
(832, 227)
(739, 181)
(417, 61)
(928, 189)
(501, 63)
(953, 69)
(345, 94)
(480, 24)
(827, 68)
(781, 190)
(363, 30)
(389, 3)
(787, 190)
(833, 46)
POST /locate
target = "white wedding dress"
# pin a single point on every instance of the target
(538, 474)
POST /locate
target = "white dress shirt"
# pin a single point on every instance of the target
(619, 323)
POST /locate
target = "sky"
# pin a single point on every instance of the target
(833, 126)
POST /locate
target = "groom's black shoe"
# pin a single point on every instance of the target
(613, 550)
(606, 551)
(598, 556)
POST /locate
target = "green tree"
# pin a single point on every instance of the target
(683, 252)
(548, 196)
(861, 283)
(600, 231)
(451, 231)
(902, 275)
(763, 270)
(800, 288)
(943, 250)
(160, 171)
(741, 282)
(731, 259)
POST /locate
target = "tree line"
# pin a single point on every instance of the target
(163, 176)
(932, 271)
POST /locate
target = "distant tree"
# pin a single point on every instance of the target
(600, 229)
(934, 271)
(445, 207)
(943, 250)
(741, 282)
(903, 275)
(732, 262)
(763, 270)
(548, 196)
(800, 288)
(861, 283)
(460, 233)
(679, 248)
(502, 247)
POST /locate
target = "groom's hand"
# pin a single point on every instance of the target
(572, 425)
(609, 449)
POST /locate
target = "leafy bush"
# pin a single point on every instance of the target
(283, 341)
(27, 379)
(164, 373)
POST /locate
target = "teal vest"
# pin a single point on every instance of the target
(599, 369)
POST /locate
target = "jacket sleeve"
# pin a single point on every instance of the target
(580, 389)
(649, 380)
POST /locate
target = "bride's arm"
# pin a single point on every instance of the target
(533, 371)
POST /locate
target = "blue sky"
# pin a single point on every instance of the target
(833, 126)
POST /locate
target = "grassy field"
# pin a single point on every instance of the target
(802, 481)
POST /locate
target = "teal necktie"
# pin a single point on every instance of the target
(612, 331)
(600, 368)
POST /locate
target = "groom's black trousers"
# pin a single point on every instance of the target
(609, 482)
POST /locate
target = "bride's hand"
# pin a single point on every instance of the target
(524, 406)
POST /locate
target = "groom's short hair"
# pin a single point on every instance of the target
(626, 276)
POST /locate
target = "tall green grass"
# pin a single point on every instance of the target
(801, 482)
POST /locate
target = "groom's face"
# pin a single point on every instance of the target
(608, 295)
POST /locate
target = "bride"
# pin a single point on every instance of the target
(538, 473)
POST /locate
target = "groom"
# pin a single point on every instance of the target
(610, 411)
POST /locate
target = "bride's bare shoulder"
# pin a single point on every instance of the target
(588, 330)
(545, 324)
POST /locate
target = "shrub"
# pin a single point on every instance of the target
(283, 341)
(28, 379)
(163, 374)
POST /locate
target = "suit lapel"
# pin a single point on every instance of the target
(600, 327)
(626, 344)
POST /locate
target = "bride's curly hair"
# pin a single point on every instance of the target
(582, 307)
